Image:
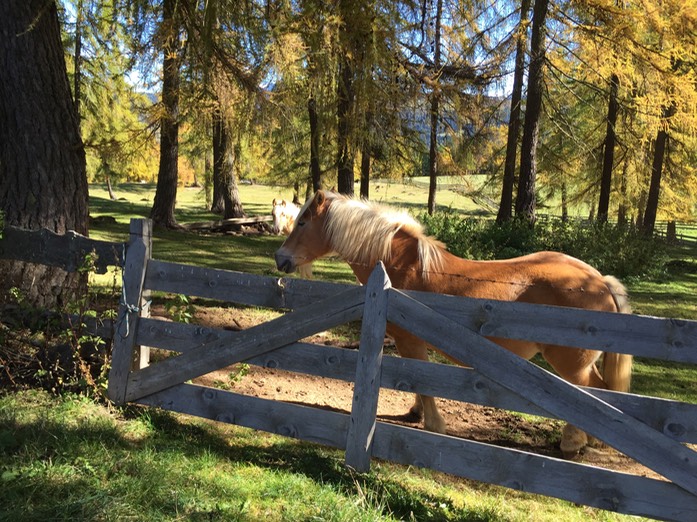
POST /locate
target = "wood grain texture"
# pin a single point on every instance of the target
(551, 393)
(137, 255)
(368, 370)
(257, 340)
(676, 419)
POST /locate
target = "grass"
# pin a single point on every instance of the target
(69, 458)
(66, 458)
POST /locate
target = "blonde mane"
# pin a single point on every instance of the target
(362, 231)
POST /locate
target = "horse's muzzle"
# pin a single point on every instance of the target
(284, 263)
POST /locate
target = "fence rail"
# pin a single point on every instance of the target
(651, 430)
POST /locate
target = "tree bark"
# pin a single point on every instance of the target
(525, 200)
(77, 69)
(42, 160)
(315, 172)
(224, 154)
(365, 170)
(608, 152)
(345, 97)
(659, 152)
(435, 109)
(162, 212)
(218, 202)
(505, 212)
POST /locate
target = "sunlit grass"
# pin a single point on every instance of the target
(69, 459)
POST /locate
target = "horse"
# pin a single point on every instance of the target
(284, 214)
(363, 233)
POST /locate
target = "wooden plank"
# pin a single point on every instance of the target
(137, 255)
(366, 390)
(238, 287)
(676, 419)
(583, 484)
(66, 251)
(290, 420)
(265, 337)
(600, 419)
(579, 483)
(667, 339)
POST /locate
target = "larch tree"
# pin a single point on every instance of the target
(162, 212)
(505, 212)
(525, 199)
(42, 161)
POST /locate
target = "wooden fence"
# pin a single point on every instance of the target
(650, 430)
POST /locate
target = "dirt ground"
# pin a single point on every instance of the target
(468, 421)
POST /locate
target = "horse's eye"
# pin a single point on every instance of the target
(301, 223)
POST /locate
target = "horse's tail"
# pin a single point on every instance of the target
(617, 367)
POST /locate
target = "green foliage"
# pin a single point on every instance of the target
(180, 309)
(612, 249)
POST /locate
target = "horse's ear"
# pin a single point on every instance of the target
(283, 202)
(320, 198)
(273, 204)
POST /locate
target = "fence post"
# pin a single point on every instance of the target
(125, 353)
(366, 389)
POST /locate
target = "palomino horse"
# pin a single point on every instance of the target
(284, 214)
(363, 233)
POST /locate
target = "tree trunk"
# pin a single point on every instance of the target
(365, 170)
(344, 105)
(525, 200)
(218, 203)
(608, 152)
(162, 212)
(225, 156)
(233, 202)
(42, 160)
(506, 205)
(315, 172)
(622, 208)
(435, 109)
(659, 153)
(77, 68)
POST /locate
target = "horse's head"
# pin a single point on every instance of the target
(282, 218)
(307, 241)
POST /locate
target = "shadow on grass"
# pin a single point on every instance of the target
(53, 471)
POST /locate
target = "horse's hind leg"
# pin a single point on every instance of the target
(414, 348)
(578, 367)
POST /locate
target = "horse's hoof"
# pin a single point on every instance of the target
(570, 454)
(435, 428)
(417, 411)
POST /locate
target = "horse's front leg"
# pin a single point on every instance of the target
(424, 405)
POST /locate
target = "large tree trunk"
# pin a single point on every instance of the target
(224, 154)
(608, 152)
(345, 97)
(162, 212)
(315, 171)
(659, 153)
(506, 205)
(42, 160)
(525, 200)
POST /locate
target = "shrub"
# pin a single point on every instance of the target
(618, 250)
